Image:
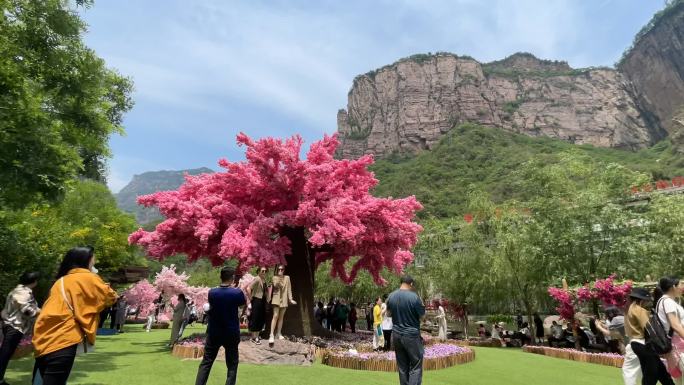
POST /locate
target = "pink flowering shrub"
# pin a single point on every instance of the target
(432, 351)
(604, 290)
(250, 212)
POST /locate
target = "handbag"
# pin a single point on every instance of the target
(380, 335)
(84, 347)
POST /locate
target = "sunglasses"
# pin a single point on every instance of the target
(262, 271)
(281, 268)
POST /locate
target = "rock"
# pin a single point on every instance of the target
(282, 353)
(655, 65)
(409, 105)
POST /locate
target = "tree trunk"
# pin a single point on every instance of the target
(299, 319)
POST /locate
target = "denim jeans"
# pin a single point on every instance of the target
(409, 351)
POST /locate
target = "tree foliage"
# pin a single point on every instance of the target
(58, 102)
(38, 236)
(249, 212)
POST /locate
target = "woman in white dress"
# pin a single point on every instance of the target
(442, 323)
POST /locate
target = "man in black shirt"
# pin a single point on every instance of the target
(407, 309)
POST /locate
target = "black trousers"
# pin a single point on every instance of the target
(388, 339)
(352, 325)
(55, 367)
(211, 348)
(652, 369)
(9, 345)
(409, 351)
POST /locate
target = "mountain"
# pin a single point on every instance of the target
(408, 106)
(473, 156)
(147, 183)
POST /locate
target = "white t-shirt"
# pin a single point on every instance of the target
(386, 318)
(666, 306)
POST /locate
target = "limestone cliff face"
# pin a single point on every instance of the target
(655, 65)
(409, 105)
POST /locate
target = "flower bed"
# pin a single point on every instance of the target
(608, 359)
(437, 356)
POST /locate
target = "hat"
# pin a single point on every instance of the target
(640, 293)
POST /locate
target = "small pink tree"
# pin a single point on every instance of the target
(142, 296)
(275, 208)
(170, 283)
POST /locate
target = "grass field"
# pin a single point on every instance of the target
(138, 358)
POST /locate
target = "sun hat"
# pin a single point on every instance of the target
(640, 293)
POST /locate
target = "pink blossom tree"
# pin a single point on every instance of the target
(142, 296)
(275, 208)
(170, 283)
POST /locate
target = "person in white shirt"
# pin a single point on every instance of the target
(386, 325)
(671, 314)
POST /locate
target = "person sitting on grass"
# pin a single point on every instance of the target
(224, 328)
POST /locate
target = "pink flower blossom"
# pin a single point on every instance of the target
(241, 213)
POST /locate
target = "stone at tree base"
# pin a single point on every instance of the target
(283, 352)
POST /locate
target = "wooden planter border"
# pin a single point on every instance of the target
(391, 366)
(575, 355)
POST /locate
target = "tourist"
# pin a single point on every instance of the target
(378, 339)
(538, 329)
(442, 323)
(341, 315)
(158, 307)
(671, 314)
(119, 316)
(330, 314)
(556, 334)
(281, 297)
(257, 304)
(369, 316)
(386, 324)
(319, 313)
(178, 313)
(481, 330)
(612, 330)
(68, 321)
(407, 309)
(17, 318)
(187, 315)
(224, 328)
(353, 317)
(635, 322)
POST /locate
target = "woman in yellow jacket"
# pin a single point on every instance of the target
(70, 315)
(378, 341)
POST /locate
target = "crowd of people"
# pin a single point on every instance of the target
(650, 334)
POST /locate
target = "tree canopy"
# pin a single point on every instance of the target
(59, 103)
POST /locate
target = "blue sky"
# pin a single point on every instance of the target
(206, 70)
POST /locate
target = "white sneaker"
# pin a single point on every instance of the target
(280, 337)
(271, 339)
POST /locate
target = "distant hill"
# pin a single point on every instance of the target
(147, 183)
(486, 158)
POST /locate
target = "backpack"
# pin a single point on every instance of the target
(657, 337)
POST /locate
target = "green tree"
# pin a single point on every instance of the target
(59, 103)
(36, 237)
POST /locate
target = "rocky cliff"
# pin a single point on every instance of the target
(655, 65)
(407, 106)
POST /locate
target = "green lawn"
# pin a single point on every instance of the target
(137, 358)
